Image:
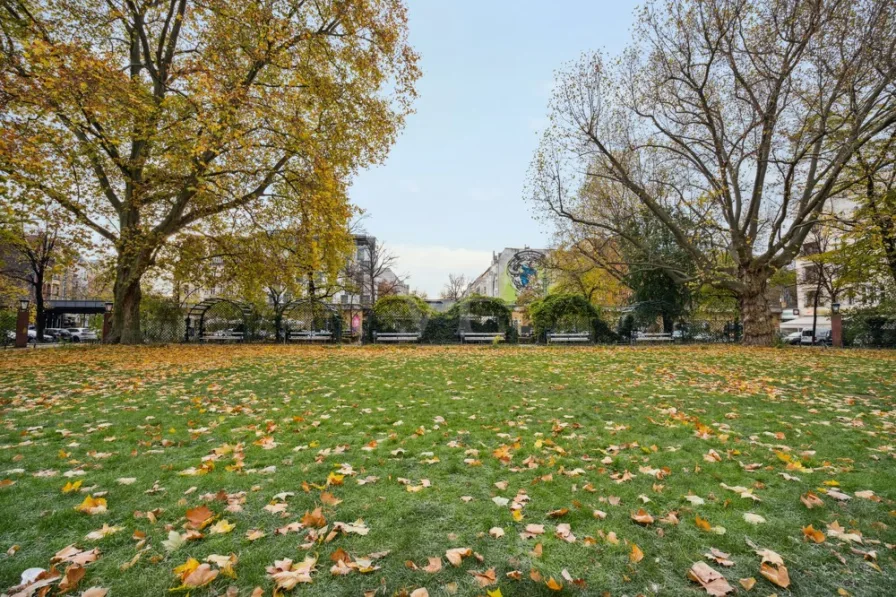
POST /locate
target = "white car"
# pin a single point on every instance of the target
(82, 334)
(804, 337)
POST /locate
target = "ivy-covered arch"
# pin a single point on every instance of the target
(567, 313)
(402, 314)
(479, 314)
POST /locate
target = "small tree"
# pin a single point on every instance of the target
(455, 288)
(38, 244)
(374, 273)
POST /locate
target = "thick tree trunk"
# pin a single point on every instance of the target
(126, 312)
(754, 309)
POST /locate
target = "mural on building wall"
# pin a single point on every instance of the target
(522, 272)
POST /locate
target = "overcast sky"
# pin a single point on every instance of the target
(451, 191)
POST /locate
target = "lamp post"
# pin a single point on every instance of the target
(22, 324)
(836, 326)
(107, 321)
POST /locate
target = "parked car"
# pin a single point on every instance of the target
(82, 334)
(792, 338)
(58, 334)
(804, 337)
(32, 333)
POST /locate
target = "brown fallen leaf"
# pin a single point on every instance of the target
(720, 557)
(435, 564)
(199, 517)
(810, 500)
(554, 585)
(775, 574)
(642, 517)
(95, 592)
(72, 576)
(485, 579)
(812, 534)
(201, 576)
(747, 583)
(457, 555)
(314, 519)
(711, 580)
(636, 554)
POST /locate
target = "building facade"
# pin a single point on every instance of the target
(511, 272)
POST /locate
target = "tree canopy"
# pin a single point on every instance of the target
(736, 117)
(145, 119)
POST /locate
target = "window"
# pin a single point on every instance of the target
(810, 299)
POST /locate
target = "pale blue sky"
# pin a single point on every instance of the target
(451, 191)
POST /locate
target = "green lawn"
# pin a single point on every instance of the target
(429, 449)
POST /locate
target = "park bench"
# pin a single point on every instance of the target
(396, 336)
(654, 337)
(226, 336)
(481, 336)
(569, 337)
(309, 336)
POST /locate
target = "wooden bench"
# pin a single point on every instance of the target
(396, 336)
(654, 337)
(308, 336)
(481, 336)
(569, 337)
(223, 337)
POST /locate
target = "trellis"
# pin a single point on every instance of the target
(220, 319)
(482, 319)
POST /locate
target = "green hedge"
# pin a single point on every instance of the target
(873, 326)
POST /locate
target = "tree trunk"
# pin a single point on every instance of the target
(39, 323)
(754, 311)
(126, 312)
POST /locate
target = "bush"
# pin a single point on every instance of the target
(873, 326)
(400, 313)
(626, 327)
(441, 328)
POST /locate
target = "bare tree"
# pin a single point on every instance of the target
(374, 272)
(455, 288)
(35, 248)
(731, 122)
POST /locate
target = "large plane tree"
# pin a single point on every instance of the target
(149, 118)
(730, 121)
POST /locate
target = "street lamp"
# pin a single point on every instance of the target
(23, 304)
(835, 308)
(108, 307)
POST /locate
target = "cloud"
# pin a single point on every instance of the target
(429, 266)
